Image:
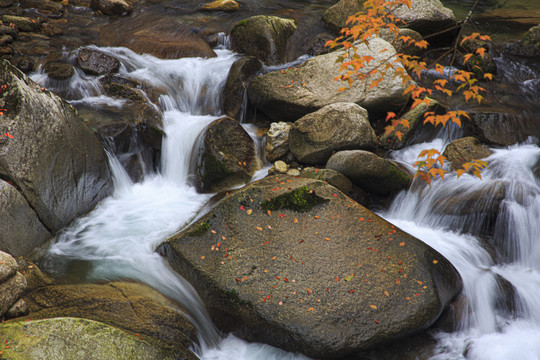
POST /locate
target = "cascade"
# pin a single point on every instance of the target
(459, 218)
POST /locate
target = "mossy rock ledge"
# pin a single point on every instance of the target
(295, 263)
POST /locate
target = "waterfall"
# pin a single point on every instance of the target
(461, 218)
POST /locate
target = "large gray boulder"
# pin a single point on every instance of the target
(294, 263)
(264, 37)
(20, 229)
(340, 126)
(226, 156)
(290, 94)
(54, 160)
(369, 171)
(424, 16)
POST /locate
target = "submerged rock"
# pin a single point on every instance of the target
(340, 126)
(226, 156)
(59, 70)
(69, 338)
(54, 160)
(112, 7)
(94, 62)
(288, 95)
(264, 37)
(369, 171)
(294, 263)
(221, 5)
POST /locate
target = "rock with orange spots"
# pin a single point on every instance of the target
(294, 263)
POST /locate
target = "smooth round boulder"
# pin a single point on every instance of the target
(289, 94)
(425, 16)
(294, 263)
(340, 126)
(264, 37)
(226, 156)
(369, 171)
(94, 62)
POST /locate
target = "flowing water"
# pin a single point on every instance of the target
(487, 228)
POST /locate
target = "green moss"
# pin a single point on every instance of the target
(301, 200)
(242, 23)
(394, 174)
(200, 230)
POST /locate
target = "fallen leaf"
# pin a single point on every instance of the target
(249, 211)
(374, 307)
(402, 243)
(202, 257)
(398, 281)
(435, 261)
(295, 220)
(351, 291)
(336, 279)
(310, 308)
(386, 293)
(269, 212)
(213, 232)
(349, 278)
(259, 228)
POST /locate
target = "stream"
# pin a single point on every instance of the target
(116, 241)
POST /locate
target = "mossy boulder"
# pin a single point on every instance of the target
(131, 307)
(289, 94)
(294, 263)
(341, 126)
(226, 156)
(264, 37)
(370, 172)
(529, 45)
(72, 338)
(332, 177)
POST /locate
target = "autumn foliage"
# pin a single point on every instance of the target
(378, 15)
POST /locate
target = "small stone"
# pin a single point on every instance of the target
(280, 166)
(277, 140)
(293, 172)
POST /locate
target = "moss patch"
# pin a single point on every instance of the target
(200, 230)
(301, 200)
